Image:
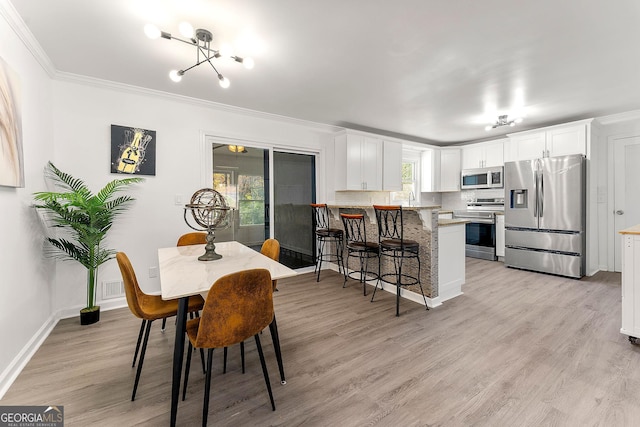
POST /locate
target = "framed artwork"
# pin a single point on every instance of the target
(133, 150)
(11, 157)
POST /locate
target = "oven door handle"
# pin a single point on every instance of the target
(478, 221)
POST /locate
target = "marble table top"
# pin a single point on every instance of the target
(182, 274)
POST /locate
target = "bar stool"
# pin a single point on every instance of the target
(395, 246)
(358, 247)
(326, 235)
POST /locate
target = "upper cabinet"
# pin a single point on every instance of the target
(483, 154)
(358, 162)
(449, 169)
(440, 169)
(392, 166)
(570, 138)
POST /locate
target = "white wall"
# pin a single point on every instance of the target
(83, 114)
(26, 279)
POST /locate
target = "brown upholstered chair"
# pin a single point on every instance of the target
(238, 306)
(270, 248)
(148, 308)
(195, 238)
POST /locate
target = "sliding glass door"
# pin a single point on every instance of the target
(242, 173)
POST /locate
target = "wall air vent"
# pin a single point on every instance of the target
(114, 289)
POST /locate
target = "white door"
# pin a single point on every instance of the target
(626, 212)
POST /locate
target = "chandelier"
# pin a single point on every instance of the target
(504, 121)
(201, 39)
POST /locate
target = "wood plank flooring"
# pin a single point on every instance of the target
(517, 349)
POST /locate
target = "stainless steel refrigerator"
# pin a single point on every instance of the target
(545, 215)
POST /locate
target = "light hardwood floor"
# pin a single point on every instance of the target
(517, 349)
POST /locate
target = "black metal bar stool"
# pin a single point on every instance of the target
(326, 235)
(358, 247)
(395, 246)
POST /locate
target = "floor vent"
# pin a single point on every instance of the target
(113, 289)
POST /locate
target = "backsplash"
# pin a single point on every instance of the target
(362, 197)
(458, 200)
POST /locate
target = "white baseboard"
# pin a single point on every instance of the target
(105, 305)
(22, 358)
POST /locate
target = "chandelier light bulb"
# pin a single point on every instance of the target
(248, 63)
(226, 50)
(176, 75)
(488, 127)
(518, 120)
(186, 30)
(224, 82)
(152, 31)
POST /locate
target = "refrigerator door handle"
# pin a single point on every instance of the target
(541, 196)
(535, 192)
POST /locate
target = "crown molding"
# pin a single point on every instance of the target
(620, 117)
(122, 87)
(10, 14)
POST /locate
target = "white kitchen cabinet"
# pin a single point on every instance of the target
(440, 170)
(392, 166)
(451, 260)
(631, 283)
(500, 236)
(483, 154)
(430, 170)
(570, 138)
(358, 162)
(449, 169)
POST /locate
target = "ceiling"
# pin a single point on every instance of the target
(432, 71)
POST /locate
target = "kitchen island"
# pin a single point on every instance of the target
(442, 271)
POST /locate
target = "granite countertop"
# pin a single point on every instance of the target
(631, 230)
(446, 222)
(407, 208)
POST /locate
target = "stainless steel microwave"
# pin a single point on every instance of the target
(482, 178)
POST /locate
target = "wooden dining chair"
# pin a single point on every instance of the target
(238, 306)
(148, 308)
(195, 238)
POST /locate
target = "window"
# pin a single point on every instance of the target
(409, 184)
(251, 199)
(247, 195)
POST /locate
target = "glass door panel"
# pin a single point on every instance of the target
(241, 175)
(294, 189)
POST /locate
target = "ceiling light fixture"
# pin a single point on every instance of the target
(201, 39)
(503, 121)
(237, 149)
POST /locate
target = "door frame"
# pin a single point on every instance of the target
(611, 228)
(208, 138)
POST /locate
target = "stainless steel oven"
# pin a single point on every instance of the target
(480, 236)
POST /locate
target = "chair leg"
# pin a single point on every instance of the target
(135, 355)
(204, 370)
(224, 364)
(420, 283)
(264, 371)
(379, 277)
(207, 387)
(321, 247)
(187, 368)
(142, 352)
(164, 325)
(242, 355)
(346, 273)
(398, 284)
(273, 328)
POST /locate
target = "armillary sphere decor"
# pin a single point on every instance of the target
(209, 211)
(201, 40)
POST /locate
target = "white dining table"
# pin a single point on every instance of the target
(183, 275)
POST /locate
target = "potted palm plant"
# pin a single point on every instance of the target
(84, 218)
